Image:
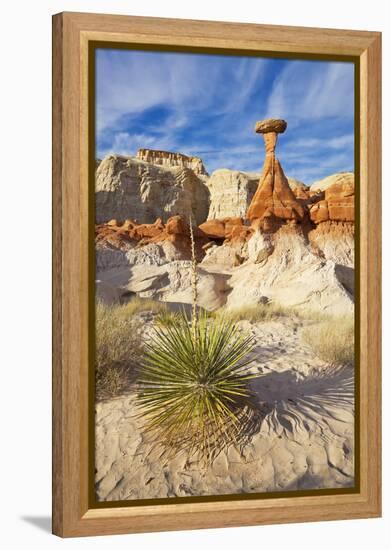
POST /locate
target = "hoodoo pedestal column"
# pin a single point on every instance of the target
(274, 201)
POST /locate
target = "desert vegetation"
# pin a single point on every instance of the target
(193, 384)
(332, 339)
(193, 378)
(216, 393)
(118, 348)
(256, 313)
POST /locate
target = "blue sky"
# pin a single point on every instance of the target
(207, 105)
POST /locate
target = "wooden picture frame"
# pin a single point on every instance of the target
(72, 35)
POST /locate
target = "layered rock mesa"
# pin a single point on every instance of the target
(130, 188)
(167, 158)
(274, 201)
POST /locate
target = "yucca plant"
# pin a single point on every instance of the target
(167, 318)
(193, 384)
(193, 381)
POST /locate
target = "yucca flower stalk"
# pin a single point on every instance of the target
(194, 281)
(193, 383)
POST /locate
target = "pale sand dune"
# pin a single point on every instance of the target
(303, 437)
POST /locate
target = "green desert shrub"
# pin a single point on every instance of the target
(332, 339)
(117, 350)
(192, 386)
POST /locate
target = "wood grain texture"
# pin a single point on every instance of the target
(71, 35)
(57, 409)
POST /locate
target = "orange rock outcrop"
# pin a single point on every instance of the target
(226, 228)
(176, 231)
(338, 204)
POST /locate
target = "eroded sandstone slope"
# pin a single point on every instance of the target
(272, 239)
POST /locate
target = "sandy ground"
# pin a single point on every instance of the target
(303, 438)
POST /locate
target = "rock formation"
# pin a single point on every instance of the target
(166, 158)
(128, 235)
(274, 201)
(134, 189)
(338, 204)
(257, 239)
(300, 190)
(231, 192)
(333, 216)
(226, 228)
(325, 183)
(284, 270)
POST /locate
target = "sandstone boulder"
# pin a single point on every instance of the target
(340, 200)
(270, 125)
(226, 228)
(300, 190)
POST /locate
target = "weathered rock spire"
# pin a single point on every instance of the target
(274, 200)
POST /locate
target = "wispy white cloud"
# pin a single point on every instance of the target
(129, 84)
(303, 92)
(207, 105)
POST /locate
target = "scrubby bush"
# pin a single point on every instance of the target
(256, 313)
(117, 350)
(332, 340)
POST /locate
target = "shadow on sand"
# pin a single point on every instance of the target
(292, 402)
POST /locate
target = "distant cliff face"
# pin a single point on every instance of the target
(160, 184)
(128, 188)
(231, 192)
(169, 159)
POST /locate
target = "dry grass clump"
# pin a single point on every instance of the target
(118, 348)
(332, 340)
(256, 313)
(137, 305)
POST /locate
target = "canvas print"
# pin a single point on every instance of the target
(224, 337)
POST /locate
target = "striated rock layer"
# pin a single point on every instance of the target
(167, 158)
(231, 192)
(130, 188)
(337, 205)
(274, 201)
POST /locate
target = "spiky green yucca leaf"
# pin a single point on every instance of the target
(193, 383)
